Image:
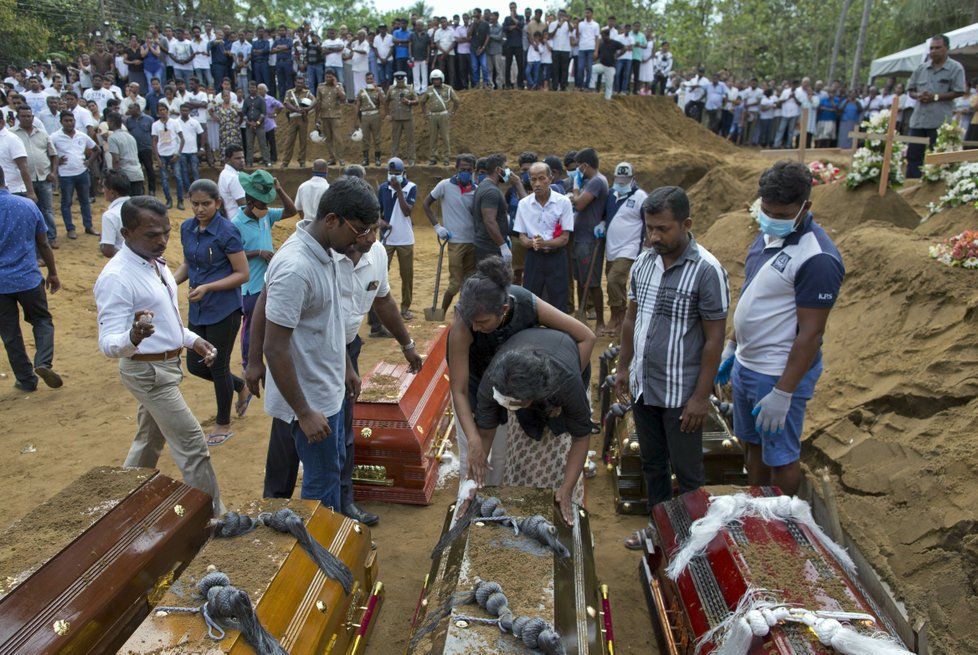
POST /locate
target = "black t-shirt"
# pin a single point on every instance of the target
(570, 395)
(488, 195)
(607, 51)
(522, 315)
(134, 54)
(314, 53)
(480, 32)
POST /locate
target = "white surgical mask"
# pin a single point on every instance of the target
(505, 401)
(391, 177)
(370, 87)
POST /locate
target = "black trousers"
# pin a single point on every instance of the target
(222, 336)
(34, 303)
(346, 474)
(916, 151)
(659, 84)
(146, 161)
(560, 68)
(512, 53)
(663, 446)
(545, 275)
(463, 79)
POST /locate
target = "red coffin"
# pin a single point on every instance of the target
(401, 423)
(781, 555)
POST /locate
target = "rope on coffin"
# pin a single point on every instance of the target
(756, 614)
(724, 510)
(490, 510)
(229, 608)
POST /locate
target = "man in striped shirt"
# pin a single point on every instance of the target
(672, 337)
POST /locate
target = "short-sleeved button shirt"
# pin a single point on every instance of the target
(360, 284)
(534, 219)
(256, 235)
(72, 148)
(12, 149)
(668, 338)
(329, 101)
(141, 129)
(397, 109)
(438, 99)
(926, 80)
(456, 208)
(206, 253)
(20, 223)
(489, 195)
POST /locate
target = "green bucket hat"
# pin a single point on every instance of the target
(260, 185)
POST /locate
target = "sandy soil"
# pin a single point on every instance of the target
(893, 418)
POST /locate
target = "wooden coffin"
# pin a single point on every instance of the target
(564, 592)
(723, 458)
(401, 422)
(298, 605)
(80, 572)
(776, 555)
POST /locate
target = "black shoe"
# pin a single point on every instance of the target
(376, 159)
(169, 204)
(50, 378)
(381, 333)
(331, 162)
(432, 162)
(25, 387)
(357, 514)
(180, 205)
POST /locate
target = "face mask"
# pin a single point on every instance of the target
(465, 178)
(370, 87)
(777, 227)
(622, 189)
(504, 178)
(259, 213)
(505, 401)
(391, 177)
(480, 177)
(525, 177)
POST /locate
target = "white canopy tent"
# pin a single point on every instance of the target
(964, 49)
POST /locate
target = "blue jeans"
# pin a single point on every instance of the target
(170, 166)
(69, 183)
(623, 69)
(322, 462)
(582, 76)
(45, 202)
(150, 75)
(533, 74)
(479, 63)
(261, 73)
(189, 168)
(315, 75)
(284, 77)
(385, 72)
(338, 71)
(218, 73)
(180, 74)
(204, 76)
(785, 132)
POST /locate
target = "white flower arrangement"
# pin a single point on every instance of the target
(867, 162)
(949, 139)
(962, 188)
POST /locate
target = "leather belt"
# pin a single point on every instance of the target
(156, 357)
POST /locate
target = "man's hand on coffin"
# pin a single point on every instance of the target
(694, 413)
(255, 376)
(315, 426)
(771, 412)
(621, 385)
(413, 359)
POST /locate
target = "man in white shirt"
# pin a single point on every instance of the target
(310, 192)
(200, 46)
(623, 243)
(182, 55)
(333, 48)
(397, 196)
(139, 324)
(35, 98)
(132, 98)
(661, 69)
(544, 221)
(444, 42)
(193, 146)
(168, 143)
(75, 151)
(84, 120)
(696, 94)
(42, 158)
(790, 103)
(560, 33)
(588, 32)
(50, 118)
(228, 184)
(13, 160)
(116, 186)
(383, 47)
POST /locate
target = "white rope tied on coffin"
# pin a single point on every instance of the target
(725, 510)
(755, 615)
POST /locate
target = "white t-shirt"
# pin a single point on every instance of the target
(36, 100)
(191, 128)
(11, 149)
(201, 50)
(229, 186)
(791, 105)
(181, 49)
(112, 223)
(308, 195)
(626, 229)
(560, 36)
(361, 284)
(444, 38)
(334, 58)
(767, 108)
(533, 53)
(383, 45)
(201, 113)
(168, 137)
(587, 34)
(626, 41)
(72, 148)
(101, 97)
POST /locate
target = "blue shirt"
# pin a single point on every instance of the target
(152, 102)
(220, 55)
(826, 108)
(256, 235)
(401, 51)
(141, 128)
(20, 223)
(206, 254)
(259, 51)
(284, 59)
(851, 110)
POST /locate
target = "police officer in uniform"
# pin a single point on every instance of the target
(435, 101)
(330, 98)
(298, 103)
(369, 101)
(401, 100)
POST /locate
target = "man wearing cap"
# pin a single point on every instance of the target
(439, 95)
(401, 100)
(298, 103)
(397, 197)
(328, 108)
(369, 103)
(254, 221)
(544, 220)
(625, 229)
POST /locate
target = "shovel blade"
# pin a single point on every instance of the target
(435, 314)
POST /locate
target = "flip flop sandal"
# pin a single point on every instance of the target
(217, 438)
(637, 540)
(241, 406)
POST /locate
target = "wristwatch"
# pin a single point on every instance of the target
(937, 97)
(408, 346)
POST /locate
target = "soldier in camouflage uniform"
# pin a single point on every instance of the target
(434, 103)
(401, 100)
(330, 98)
(369, 103)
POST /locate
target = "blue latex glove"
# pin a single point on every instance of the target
(599, 230)
(771, 412)
(726, 363)
(443, 232)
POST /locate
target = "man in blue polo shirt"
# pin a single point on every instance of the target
(793, 275)
(402, 41)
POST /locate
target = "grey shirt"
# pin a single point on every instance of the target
(456, 209)
(928, 80)
(487, 195)
(496, 38)
(303, 293)
(123, 148)
(585, 221)
(668, 337)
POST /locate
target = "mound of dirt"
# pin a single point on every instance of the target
(839, 208)
(949, 222)
(728, 238)
(723, 189)
(920, 194)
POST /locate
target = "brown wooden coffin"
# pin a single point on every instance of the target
(298, 605)
(564, 592)
(401, 421)
(81, 571)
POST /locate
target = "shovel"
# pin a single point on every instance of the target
(436, 313)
